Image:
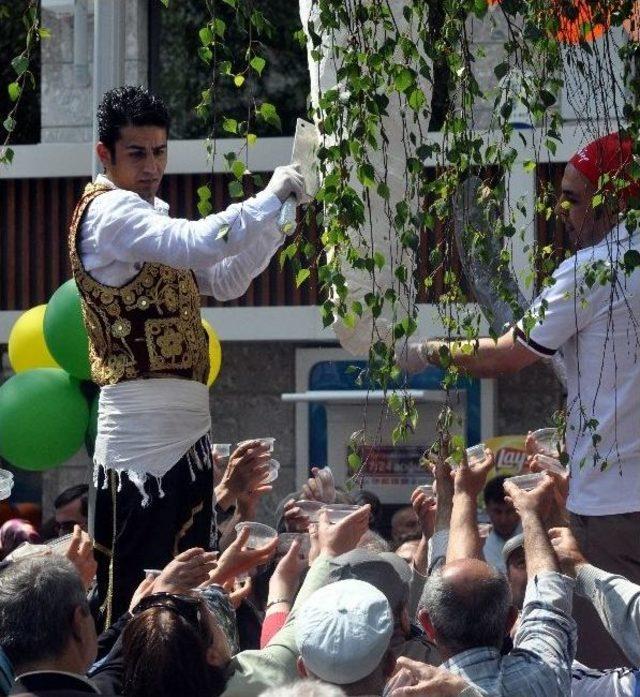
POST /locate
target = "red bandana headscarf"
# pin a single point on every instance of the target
(611, 155)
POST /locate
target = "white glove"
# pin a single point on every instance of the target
(411, 356)
(285, 181)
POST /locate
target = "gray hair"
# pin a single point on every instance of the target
(304, 688)
(38, 596)
(469, 620)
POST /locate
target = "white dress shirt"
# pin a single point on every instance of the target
(121, 231)
(146, 426)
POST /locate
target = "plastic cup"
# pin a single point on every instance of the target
(547, 441)
(272, 473)
(475, 453)
(551, 464)
(60, 545)
(527, 481)
(427, 490)
(311, 509)
(259, 534)
(221, 449)
(267, 441)
(286, 539)
(338, 511)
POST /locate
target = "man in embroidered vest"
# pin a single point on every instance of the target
(140, 274)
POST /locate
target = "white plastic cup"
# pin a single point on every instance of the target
(527, 481)
(311, 509)
(259, 534)
(551, 464)
(221, 449)
(547, 441)
(338, 511)
(272, 472)
(286, 539)
(475, 453)
(427, 490)
(267, 441)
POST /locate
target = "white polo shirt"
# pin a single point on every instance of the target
(598, 330)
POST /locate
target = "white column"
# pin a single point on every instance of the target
(108, 55)
(80, 44)
(522, 191)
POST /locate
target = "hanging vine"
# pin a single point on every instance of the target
(22, 78)
(390, 181)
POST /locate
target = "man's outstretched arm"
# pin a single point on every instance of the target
(615, 598)
(484, 358)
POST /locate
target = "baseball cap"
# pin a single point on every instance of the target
(511, 545)
(343, 631)
(385, 571)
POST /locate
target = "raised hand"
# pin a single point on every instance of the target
(246, 470)
(294, 518)
(470, 479)
(538, 501)
(285, 579)
(415, 679)
(566, 548)
(187, 570)
(425, 509)
(80, 554)
(238, 559)
(320, 486)
(343, 536)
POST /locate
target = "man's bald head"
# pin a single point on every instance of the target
(468, 605)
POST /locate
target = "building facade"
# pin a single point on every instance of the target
(273, 340)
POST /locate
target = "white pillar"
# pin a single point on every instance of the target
(108, 56)
(80, 44)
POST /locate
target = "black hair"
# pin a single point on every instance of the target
(129, 106)
(79, 491)
(494, 491)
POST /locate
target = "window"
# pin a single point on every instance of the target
(178, 75)
(12, 42)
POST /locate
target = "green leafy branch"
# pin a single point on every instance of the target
(23, 77)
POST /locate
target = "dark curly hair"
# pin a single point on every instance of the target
(129, 106)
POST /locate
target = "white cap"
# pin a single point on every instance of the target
(343, 631)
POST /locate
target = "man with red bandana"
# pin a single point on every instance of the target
(591, 313)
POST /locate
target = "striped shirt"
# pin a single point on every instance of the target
(544, 647)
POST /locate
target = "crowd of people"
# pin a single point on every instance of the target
(325, 607)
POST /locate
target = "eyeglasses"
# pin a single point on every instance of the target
(186, 606)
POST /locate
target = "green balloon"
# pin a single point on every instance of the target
(43, 418)
(65, 333)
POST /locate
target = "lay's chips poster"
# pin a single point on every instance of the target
(510, 457)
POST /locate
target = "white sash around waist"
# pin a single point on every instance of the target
(146, 426)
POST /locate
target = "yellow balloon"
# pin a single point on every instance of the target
(27, 347)
(215, 353)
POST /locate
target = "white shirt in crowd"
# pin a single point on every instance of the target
(598, 330)
(146, 426)
(493, 546)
